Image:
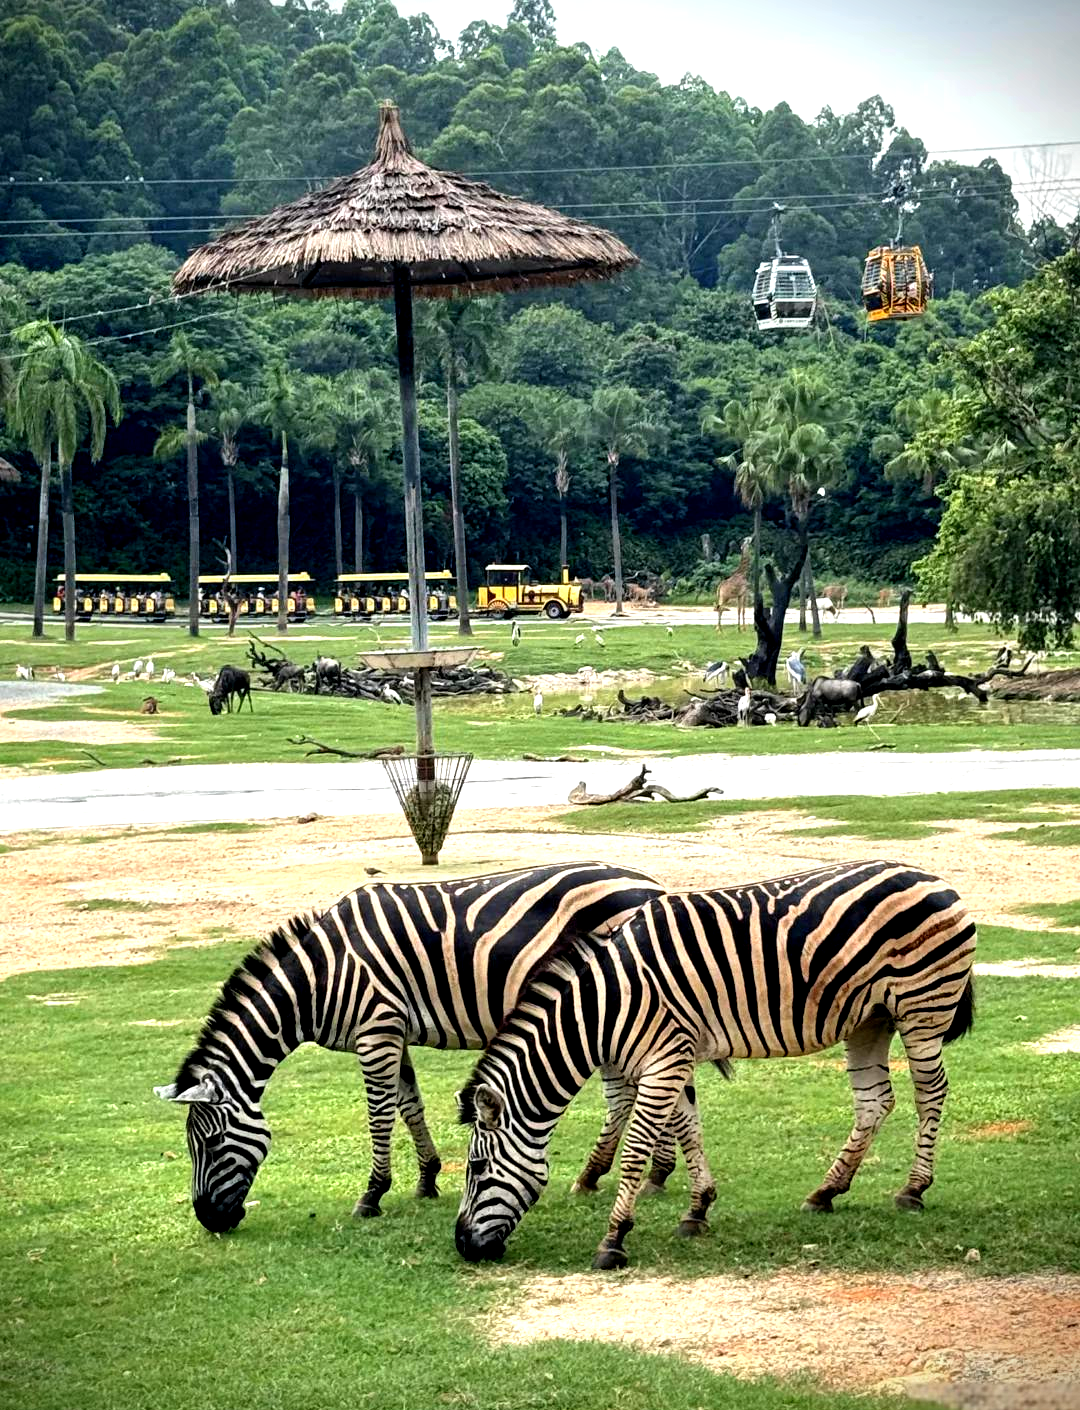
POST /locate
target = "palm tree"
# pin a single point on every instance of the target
(620, 420)
(462, 334)
(369, 434)
(183, 359)
(231, 409)
(60, 392)
(928, 452)
(560, 429)
(325, 427)
(749, 424)
(279, 411)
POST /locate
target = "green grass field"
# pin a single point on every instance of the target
(501, 728)
(114, 1297)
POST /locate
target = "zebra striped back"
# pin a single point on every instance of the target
(389, 965)
(771, 969)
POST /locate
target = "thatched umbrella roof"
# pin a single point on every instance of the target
(455, 235)
(8, 473)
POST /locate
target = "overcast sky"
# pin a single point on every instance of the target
(975, 73)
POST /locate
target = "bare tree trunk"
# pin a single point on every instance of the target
(812, 589)
(67, 511)
(755, 586)
(42, 559)
(339, 561)
(616, 540)
(283, 537)
(461, 569)
(563, 560)
(231, 483)
(803, 594)
(358, 529)
(769, 624)
(193, 513)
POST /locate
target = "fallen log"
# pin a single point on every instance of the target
(387, 752)
(638, 790)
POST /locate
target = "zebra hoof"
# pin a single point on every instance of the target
(582, 1187)
(651, 1189)
(817, 1205)
(909, 1201)
(692, 1228)
(608, 1259)
(427, 1189)
(366, 1208)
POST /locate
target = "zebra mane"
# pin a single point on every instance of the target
(556, 969)
(255, 966)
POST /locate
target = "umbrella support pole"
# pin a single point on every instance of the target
(410, 454)
(425, 751)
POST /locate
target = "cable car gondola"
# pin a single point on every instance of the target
(896, 282)
(785, 295)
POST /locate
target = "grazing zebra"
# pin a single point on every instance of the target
(852, 953)
(389, 965)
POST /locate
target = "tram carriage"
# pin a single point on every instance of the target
(896, 283)
(386, 594)
(147, 595)
(784, 294)
(258, 596)
(511, 590)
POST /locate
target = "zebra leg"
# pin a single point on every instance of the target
(931, 1088)
(658, 1092)
(619, 1095)
(411, 1106)
(663, 1160)
(380, 1055)
(868, 1069)
(686, 1127)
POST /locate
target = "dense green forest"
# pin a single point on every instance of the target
(130, 130)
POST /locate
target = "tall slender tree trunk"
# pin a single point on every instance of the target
(283, 537)
(616, 539)
(358, 527)
(461, 567)
(339, 562)
(42, 559)
(233, 554)
(67, 512)
(193, 513)
(563, 561)
(815, 615)
(755, 568)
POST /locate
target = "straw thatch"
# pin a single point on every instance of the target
(9, 475)
(455, 235)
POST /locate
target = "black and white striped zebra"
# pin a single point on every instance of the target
(850, 953)
(387, 967)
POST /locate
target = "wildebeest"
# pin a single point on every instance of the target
(828, 693)
(327, 672)
(230, 682)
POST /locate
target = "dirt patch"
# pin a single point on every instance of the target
(995, 1131)
(1065, 1040)
(1029, 967)
(76, 732)
(951, 1337)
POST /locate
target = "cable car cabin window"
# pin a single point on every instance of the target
(784, 295)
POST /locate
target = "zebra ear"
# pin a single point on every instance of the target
(206, 1090)
(489, 1106)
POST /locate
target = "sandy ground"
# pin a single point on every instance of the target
(957, 1338)
(203, 884)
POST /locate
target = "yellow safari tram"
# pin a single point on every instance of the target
(258, 596)
(147, 595)
(511, 591)
(360, 595)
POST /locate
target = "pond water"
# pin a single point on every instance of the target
(923, 707)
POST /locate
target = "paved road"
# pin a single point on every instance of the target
(248, 792)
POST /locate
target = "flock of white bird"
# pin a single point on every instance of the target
(585, 672)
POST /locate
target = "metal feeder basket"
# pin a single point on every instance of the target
(428, 787)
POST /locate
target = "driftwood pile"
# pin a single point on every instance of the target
(638, 790)
(1056, 686)
(713, 710)
(364, 683)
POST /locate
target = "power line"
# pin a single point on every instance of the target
(137, 332)
(19, 181)
(155, 298)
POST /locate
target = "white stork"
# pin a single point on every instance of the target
(743, 707)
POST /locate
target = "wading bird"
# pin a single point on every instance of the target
(743, 707)
(716, 671)
(58, 674)
(796, 671)
(24, 673)
(579, 640)
(597, 638)
(149, 668)
(538, 703)
(515, 634)
(670, 631)
(168, 675)
(769, 717)
(390, 695)
(867, 713)
(115, 672)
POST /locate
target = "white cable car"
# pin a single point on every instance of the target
(785, 295)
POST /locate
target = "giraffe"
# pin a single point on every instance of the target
(735, 589)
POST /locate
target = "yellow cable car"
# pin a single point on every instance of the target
(384, 594)
(509, 591)
(149, 595)
(896, 283)
(258, 596)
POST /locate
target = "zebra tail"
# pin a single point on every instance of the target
(963, 1019)
(725, 1068)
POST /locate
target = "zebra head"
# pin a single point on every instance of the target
(228, 1142)
(507, 1169)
